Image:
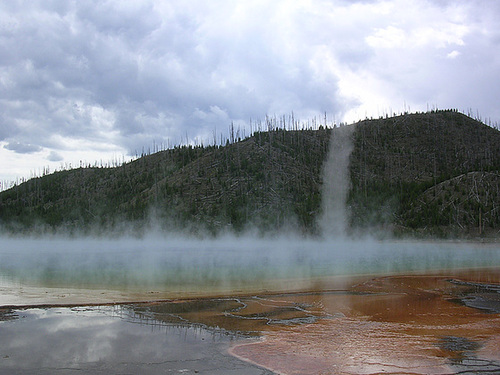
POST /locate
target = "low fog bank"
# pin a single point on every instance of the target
(155, 224)
(177, 263)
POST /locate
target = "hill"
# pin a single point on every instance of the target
(416, 174)
(263, 180)
(434, 173)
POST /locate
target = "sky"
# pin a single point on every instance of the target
(83, 81)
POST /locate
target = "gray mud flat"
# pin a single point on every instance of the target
(464, 358)
(485, 297)
(112, 340)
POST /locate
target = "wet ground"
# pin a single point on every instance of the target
(395, 324)
(112, 340)
(412, 324)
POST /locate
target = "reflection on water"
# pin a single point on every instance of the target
(225, 264)
(189, 336)
(376, 326)
(112, 340)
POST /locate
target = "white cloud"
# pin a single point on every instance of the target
(116, 76)
(389, 37)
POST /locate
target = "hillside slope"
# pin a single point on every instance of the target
(269, 180)
(434, 173)
(399, 163)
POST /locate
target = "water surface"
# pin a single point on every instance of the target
(226, 265)
(112, 340)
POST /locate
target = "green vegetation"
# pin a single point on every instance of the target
(426, 174)
(415, 174)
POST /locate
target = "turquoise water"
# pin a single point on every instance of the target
(175, 263)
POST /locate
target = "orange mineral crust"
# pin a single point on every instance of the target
(390, 325)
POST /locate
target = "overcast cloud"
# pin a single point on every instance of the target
(92, 80)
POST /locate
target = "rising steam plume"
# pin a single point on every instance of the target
(336, 183)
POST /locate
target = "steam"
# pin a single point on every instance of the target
(333, 222)
(226, 264)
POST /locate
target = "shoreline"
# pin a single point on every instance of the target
(26, 296)
(341, 325)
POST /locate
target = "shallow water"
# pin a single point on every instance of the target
(112, 340)
(227, 265)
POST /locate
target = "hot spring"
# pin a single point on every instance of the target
(225, 265)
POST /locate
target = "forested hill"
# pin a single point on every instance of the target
(434, 173)
(416, 174)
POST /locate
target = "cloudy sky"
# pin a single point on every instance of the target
(91, 80)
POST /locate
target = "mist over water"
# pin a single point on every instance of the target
(229, 264)
(336, 184)
(174, 263)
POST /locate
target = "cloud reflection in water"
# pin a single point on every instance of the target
(110, 340)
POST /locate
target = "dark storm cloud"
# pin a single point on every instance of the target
(150, 62)
(22, 148)
(54, 156)
(93, 75)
